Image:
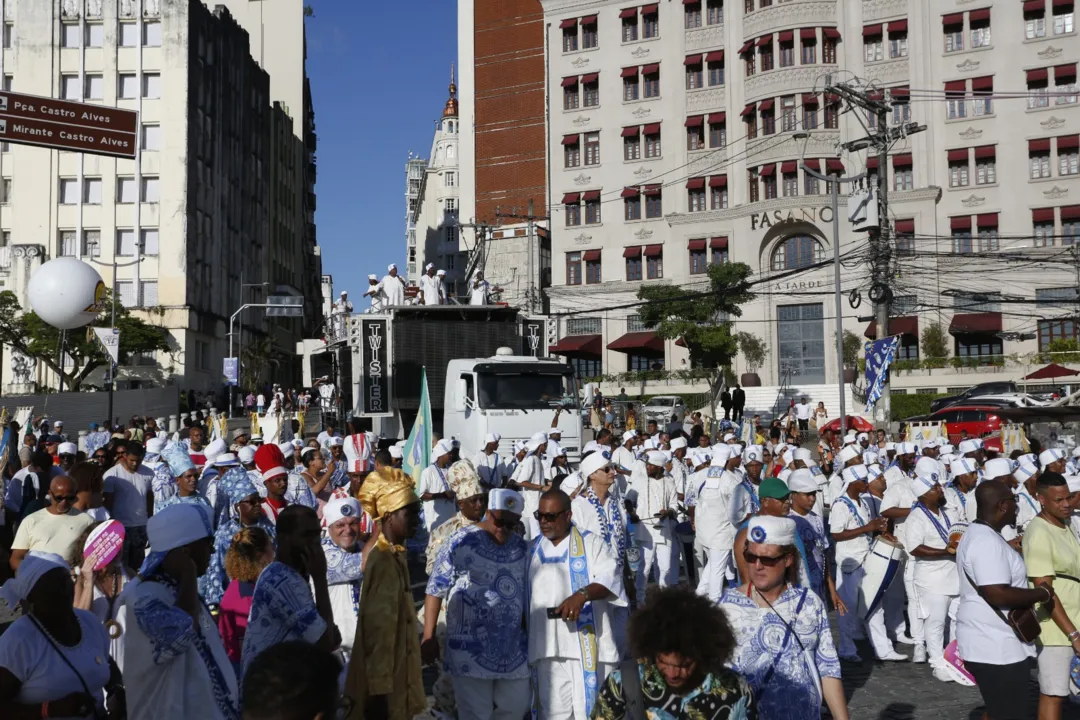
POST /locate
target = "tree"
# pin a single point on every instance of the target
(256, 359)
(32, 336)
(852, 345)
(754, 351)
(935, 346)
(1063, 350)
(700, 319)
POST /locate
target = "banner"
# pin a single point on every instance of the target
(110, 340)
(374, 395)
(417, 455)
(878, 359)
(231, 371)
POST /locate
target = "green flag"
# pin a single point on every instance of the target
(417, 455)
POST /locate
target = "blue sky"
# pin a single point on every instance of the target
(379, 73)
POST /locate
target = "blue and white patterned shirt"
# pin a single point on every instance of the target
(282, 608)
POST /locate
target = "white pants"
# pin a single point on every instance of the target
(847, 587)
(664, 555)
(560, 688)
(714, 574)
(915, 621)
(937, 610)
(479, 699)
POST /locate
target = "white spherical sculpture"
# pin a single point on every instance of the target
(66, 293)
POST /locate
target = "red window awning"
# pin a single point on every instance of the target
(786, 36)
(632, 252)
(1065, 73)
(568, 81)
(764, 40)
(591, 345)
(831, 33)
(1042, 215)
(718, 243)
(789, 166)
(693, 60)
(1063, 3)
(718, 181)
(960, 222)
(901, 160)
(628, 13)
(833, 165)
(588, 20)
(872, 30)
(905, 226)
(650, 9)
(956, 156)
(897, 26)
(905, 325)
(591, 196)
(631, 131)
(590, 78)
(1070, 212)
(956, 86)
(985, 152)
(648, 342)
(696, 244)
(629, 72)
(631, 192)
(1037, 75)
(590, 255)
(983, 83)
(651, 129)
(1068, 142)
(982, 15)
(766, 105)
(695, 183)
(808, 34)
(1034, 6)
(809, 99)
(813, 164)
(653, 190)
(987, 220)
(747, 47)
(715, 56)
(1039, 145)
(952, 19)
(569, 23)
(654, 250)
(872, 162)
(748, 110)
(571, 198)
(767, 170)
(965, 323)
(717, 118)
(650, 69)
(695, 121)
(900, 93)
(571, 139)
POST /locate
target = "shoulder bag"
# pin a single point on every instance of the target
(98, 714)
(1023, 621)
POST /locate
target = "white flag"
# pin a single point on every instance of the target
(110, 340)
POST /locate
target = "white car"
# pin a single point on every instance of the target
(662, 407)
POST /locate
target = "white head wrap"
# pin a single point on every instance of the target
(336, 442)
(214, 449)
(592, 463)
(655, 457)
(854, 474)
(947, 449)
(443, 447)
(341, 507)
(907, 448)
(628, 436)
(67, 448)
(391, 267)
(508, 500)
(787, 458)
(968, 446)
(679, 442)
(928, 469)
(962, 466)
(874, 472)
(720, 455)
(1047, 457)
(768, 530)
(1025, 470)
(801, 454)
(287, 450)
(998, 467)
(802, 481)
(154, 446)
(890, 447)
(753, 453)
(847, 453)
(921, 485)
(246, 455)
(728, 437)
(492, 438)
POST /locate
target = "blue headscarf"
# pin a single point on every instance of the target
(237, 485)
(176, 457)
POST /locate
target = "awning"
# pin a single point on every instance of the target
(901, 93)
(982, 15)
(954, 86)
(1039, 145)
(982, 83)
(632, 252)
(578, 345)
(872, 162)
(721, 118)
(588, 20)
(568, 81)
(1068, 142)
(590, 255)
(631, 131)
(653, 190)
(715, 56)
(985, 152)
(629, 72)
(651, 129)
(746, 47)
(906, 325)
(695, 183)
(718, 243)
(809, 99)
(693, 60)
(1063, 3)
(897, 26)
(1037, 75)
(955, 156)
(834, 165)
(808, 34)
(650, 9)
(591, 196)
(628, 13)
(631, 192)
(901, 160)
(650, 69)
(764, 40)
(718, 181)
(749, 109)
(570, 139)
(905, 226)
(960, 222)
(952, 19)
(872, 30)
(571, 198)
(989, 322)
(767, 170)
(813, 163)
(766, 105)
(789, 166)
(831, 33)
(648, 342)
(1050, 372)
(695, 121)
(572, 22)
(1070, 212)
(987, 220)
(654, 250)
(1042, 215)
(1064, 73)
(696, 245)
(590, 78)
(786, 36)
(1034, 6)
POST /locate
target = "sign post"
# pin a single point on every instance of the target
(65, 125)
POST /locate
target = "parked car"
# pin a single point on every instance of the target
(662, 407)
(1007, 387)
(977, 421)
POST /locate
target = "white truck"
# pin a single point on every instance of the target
(513, 395)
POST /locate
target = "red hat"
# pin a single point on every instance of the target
(270, 461)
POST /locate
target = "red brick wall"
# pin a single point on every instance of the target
(509, 72)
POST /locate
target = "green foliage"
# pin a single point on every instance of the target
(309, 11)
(754, 351)
(255, 360)
(852, 345)
(32, 336)
(1063, 350)
(905, 406)
(935, 344)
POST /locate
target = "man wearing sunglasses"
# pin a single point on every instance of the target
(56, 529)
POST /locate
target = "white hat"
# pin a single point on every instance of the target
(555, 450)
(854, 474)
(373, 277)
(539, 438)
(175, 526)
(591, 446)
(429, 266)
(225, 460)
(337, 441)
(492, 438)
(67, 448)
(519, 445)
(728, 436)
(656, 458)
(440, 273)
(928, 469)
(753, 454)
(784, 474)
(677, 443)
(341, 507)
(946, 458)
(874, 471)
(736, 449)
(154, 446)
(651, 444)
(920, 485)
(787, 458)
(256, 438)
(768, 530)
(628, 436)
(246, 454)
(305, 451)
(890, 446)
(906, 448)
(297, 443)
(847, 453)
(869, 457)
(508, 500)
(287, 449)
(998, 467)
(1047, 457)
(391, 267)
(443, 447)
(862, 436)
(968, 446)
(592, 463)
(947, 449)
(802, 481)
(1025, 470)
(214, 449)
(802, 454)
(720, 455)
(396, 452)
(962, 466)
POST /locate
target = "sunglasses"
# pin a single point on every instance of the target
(504, 524)
(751, 558)
(548, 517)
(64, 498)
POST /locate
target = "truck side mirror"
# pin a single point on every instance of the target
(462, 395)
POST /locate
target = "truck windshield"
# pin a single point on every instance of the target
(519, 392)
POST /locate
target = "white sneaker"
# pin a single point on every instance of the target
(905, 639)
(943, 675)
(920, 654)
(893, 657)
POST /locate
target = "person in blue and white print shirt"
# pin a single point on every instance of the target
(344, 565)
(480, 575)
(438, 500)
(931, 543)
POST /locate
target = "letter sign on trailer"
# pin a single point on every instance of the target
(65, 125)
(373, 399)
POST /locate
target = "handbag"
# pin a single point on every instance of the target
(98, 714)
(1023, 621)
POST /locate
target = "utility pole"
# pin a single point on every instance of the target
(879, 104)
(533, 295)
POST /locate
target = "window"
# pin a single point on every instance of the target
(632, 145)
(9, 82)
(828, 49)
(125, 242)
(1035, 22)
(958, 168)
(129, 34)
(1042, 221)
(6, 190)
(570, 93)
(695, 75)
(629, 25)
(752, 183)
(592, 148)
(650, 24)
(654, 263)
(699, 263)
(719, 251)
(1063, 18)
(91, 243)
(151, 190)
(768, 119)
(809, 115)
(128, 87)
(1038, 88)
(1068, 155)
(66, 245)
(9, 35)
(70, 35)
(92, 191)
(748, 6)
(69, 191)
(768, 182)
(873, 48)
(592, 267)
(714, 12)
(572, 210)
(788, 122)
(590, 85)
(695, 196)
(897, 45)
(978, 345)
(151, 33)
(766, 56)
(693, 15)
(1053, 297)
(586, 367)
(632, 204)
(716, 72)
(787, 54)
(149, 242)
(1051, 330)
(570, 37)
(979, 20)
(125, 289)
(750, 119)
(961, 234)
(69, 87)
(571, 151)
(797, 252)
(832, 116)
(592, 208)
(812, 186)
(652, 141)
(717, 133)
(1070, 225)
(630, 85)
(956, 99)
(590, 38)
(148, 294)
(125, 189)
(905, 245)
(1039, 158)
(954, 32)
(151, 137)
(644, 363)
(749, 64)
(903, 179)
(450, 235)
(95, 34)
(449, 179)
(151, 85)
(985, 165)
(633, 263)
(695, 133)
(573, 268)
(809, 50)
(1065, 83)
(650, 76)
(791, 184)
(654, 204)
(988, 232)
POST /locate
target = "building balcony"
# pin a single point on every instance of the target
(708, 37)
(711, 98)
(784, 81)
(875, 10)
(790, 14)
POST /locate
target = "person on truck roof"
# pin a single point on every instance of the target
(393, 285)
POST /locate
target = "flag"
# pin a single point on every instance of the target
(878, 359)
(417, 454)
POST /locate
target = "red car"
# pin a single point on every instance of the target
(976, 420)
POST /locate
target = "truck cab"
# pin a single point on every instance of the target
(513, 395)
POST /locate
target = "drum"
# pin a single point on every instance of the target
(880, 567)
(955, 535)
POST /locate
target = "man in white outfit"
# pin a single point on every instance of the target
(624, 457)
(488, 464)
(712, 523)
(376, 293)
(429, 286)
(896, 506)
(439, 502)
(440, 282)
(652, 495)
(394, 286)
(529, 477)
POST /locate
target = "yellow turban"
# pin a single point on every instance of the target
(386, 491)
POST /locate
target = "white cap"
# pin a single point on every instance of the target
(847, 453)
(246, 454)
(928, 469)
(440, 273)
(677, 443)
(947, 449)
(508, 500)
(492, 438)
(396, 452)
(906, 448)
(554, 431)
(67, 448)
(373, 277)
(890, 446)
(1047, 457)
(802, 454)
(337, 442)
(443, 447)
(429, 266)
(768, 530)
(968, 446)
(391, 267)
(753, 454)
(154, 446)
(854, 474)
(58, 423)
(921, 485)
(736, 449)
(802, 481)
(962, 466)
(591, 446)
(998, 467)
(341, 507)
(628, 436)
(1025, 470)
(874, 471)
(862, 436)
(728, 437)
(287, 449)
(656, 458)
(592, 463)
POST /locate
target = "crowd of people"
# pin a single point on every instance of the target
(668, 573)
(392, 290)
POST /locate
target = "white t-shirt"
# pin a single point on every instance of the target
(802, 411)
(478, 293)
(436, 512)
(45, 532)
(131, 490)
(933, 575)
(43, 674)
(394, 289)
(981, 634)
(712, 518)
(261, 400)
(490, 468)
(850, 553)
(898, 494)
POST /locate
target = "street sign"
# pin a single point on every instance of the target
(64, 125)
(231, 371)
(285, 306)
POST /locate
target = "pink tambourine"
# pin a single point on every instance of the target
(105, 543)
(954, 665)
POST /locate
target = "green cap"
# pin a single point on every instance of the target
(774, 488)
